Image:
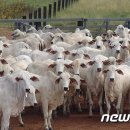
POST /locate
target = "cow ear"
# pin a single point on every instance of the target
(52, 65)
(105, 71)
(34, 78)
(69, 66)
(79, 42)
(83, 81)
(58, 80)
(104, 34)
(104, 40)
(67, 52)
(5, 45)
(111, 47)
(86, 56)
(18, 79)
(53, 52)
(74, 54)
(91, 62)
(92, 42)
(83, 65)
(3, 61)
(73, 81)
(106, 62)
(48, 50)
(120, 71)
(119, 61)
(36, 91)
(114, 34)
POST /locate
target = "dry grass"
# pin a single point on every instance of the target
(97, 9)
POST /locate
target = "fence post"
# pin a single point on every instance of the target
(59, 5)
(80, 23)
(44, 14)
(35, 17)
(50, 11)
(19, 25)
(63, 4)
(107, 25)
(66, 3)
(71, 2)
(85, 23)
(30, 17)
(129, 24)
(39, 17)
(54, 9)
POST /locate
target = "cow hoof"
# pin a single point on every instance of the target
(21, 125)
(50, 129)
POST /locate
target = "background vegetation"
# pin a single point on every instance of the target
(98, 9)
(83, 8)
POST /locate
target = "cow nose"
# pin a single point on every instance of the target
(99, 69)
(0, 51)
(117, 51)
(59, 73)
(1, 73)
(28, 90)
(98, 47)
(59, 58)
(65, 89)
(111, 79)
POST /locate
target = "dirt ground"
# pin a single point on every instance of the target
(34, 121)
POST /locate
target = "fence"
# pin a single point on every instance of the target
(97, 26)
(49, 11)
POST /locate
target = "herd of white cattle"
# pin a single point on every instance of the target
(53, 68)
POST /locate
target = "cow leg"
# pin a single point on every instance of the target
(122, 104)
(54, 114)
(5, 120)
(65, 106)
(118, 106)
(49, 119)
(100, 103)
(45, 112)
(78, 103)
(21, 120)
(108, 104)
(90, 103)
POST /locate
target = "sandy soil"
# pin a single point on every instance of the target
(34, 121)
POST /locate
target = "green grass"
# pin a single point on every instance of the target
(34, 3)
(97, 9)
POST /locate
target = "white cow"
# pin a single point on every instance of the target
(13, 90)
(5, 68)
(52, 89)
(13, 49)
(95, 80)
(113, 50)
(122, 31)
(116, 86)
